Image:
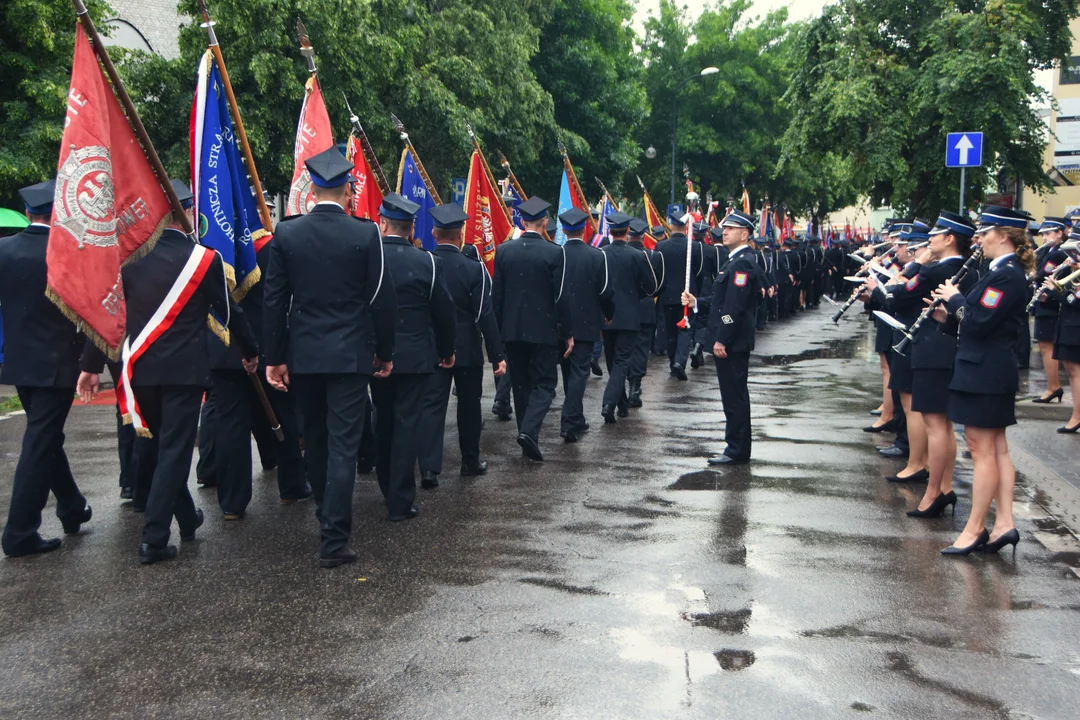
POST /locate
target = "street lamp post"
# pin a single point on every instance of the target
(675, 120)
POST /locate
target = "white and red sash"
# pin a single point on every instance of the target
(162, 319)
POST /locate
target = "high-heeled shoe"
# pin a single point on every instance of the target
(875, 413)
(1009, 538)
(885, 427)
(1069, 430)
(916, 477)
(961, 551)
(937, 508)
(1056, 395)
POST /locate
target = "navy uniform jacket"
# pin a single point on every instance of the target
(711, 264)
(41, 346)
(647, 306)
(632, 280)
(527, 291)
(588, 283)
(934, 347)
(989, 316)
(469, 286)
(224, 357)
(1046, 263)
(329, 306)
(783, 267)
(1067, 331)
(733, 306)
(426, 322)
(794, 263)
(674, 251)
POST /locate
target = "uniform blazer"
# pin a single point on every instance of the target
(41, 346)
(989, 316)
(1067, 330)
(469, 286)
(1046, 263)
(329, 305)
(224, 357)
(528, 291)
(733, 306)
(588, 282)
(674, 252)
(647, 305)
(632, 280)
(934, 346)
(426, 324)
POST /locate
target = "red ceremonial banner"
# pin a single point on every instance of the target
(367, 197)
(313, 135)
(487, 226)
(109, 208)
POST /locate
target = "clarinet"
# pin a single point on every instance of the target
(973, 260)
(1055, 276)
(855, 293)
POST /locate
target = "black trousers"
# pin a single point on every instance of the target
(125, 438)
(774, 305)
(42, 466)
(503, 387)
(399, 400)
(470, 386)
(659, 344)
(783, 302)
(731, 372)
(762, 312)
(639, 358)
(366, 457)
(333, 408)
(619, 347)
(534, 373)
(575, 378)
(171, 413)
(206, 468)
(678, 339)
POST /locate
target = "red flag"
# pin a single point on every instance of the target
(313, 135)
(745, 201)
(109, 207)
(367, 197)
(487, 226)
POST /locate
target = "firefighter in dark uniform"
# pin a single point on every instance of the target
(632, 280)
(469, 286)
(41, 359)
(1067, 337)
(659, 345)
(675, 250)
(767, 279)
(1048, 258)
(699, 325)
(170, 376)
(533, 313)
(639, 360)
(773, 253)
(330, 313)
(834, 269)
(590, 293)
(794, 260)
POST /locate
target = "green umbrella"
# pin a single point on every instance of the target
(12, 219)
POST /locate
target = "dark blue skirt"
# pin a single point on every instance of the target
(1067, 353)
(1045, 328)
(882, 337)
(930, 391)
(900, 373)
(982, 410)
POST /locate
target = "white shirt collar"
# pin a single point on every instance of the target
(737, 250)
(44, 225)
(328, 202)
(952, 257)
(998, 261)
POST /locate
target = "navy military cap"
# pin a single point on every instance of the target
(791, 242)
(552, 227)
(573, 220)
(638, 227)
(898, 226)
(700, 228)
(717, 233)
(761, 240)
(183, 193)
(329, 169)
(618, 220)
(449, 216)
(595, 213)
(675, 213)
(996, 216)
(738, 219)
(396, 207)
(657, 231)
(1049, 224)
(950, 222)
(533, 209)
(39, 198)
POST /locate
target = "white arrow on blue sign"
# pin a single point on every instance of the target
(964, 150)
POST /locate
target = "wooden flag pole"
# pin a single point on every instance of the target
(487, 172)
(607, 194)
(576, 188)
(369, 152)
(513, 178)
(416, 159)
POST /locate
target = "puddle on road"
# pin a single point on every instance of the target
(559, 585)
(734, 622)
(840, 348)
(738, 479)
(734, 660)
(901, 664)
(853, 632)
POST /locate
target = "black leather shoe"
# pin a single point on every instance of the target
(409, 514)
(304, 495)
(884, 427)
(893, 451)
(1056, 395)
(150, 554)
(429, 480)
(678, 371)
(344, 556)
(960, 551)
(917, 477)
(623, 411)
(199, 519)
(268, 465)
(937, 508)
(727, 460)
(609, 414)
(501, 411)
(472, 469)
(594, 367)
(571, 437)
(127, 493)
(207, 482)
(364, 466)
(696, 357)
(1012, 537)
(530, 448)
(1066, 430)
(36, 546)
(635, 399)
(71, 524)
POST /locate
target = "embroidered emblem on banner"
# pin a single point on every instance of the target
(991, 298)
(84, 192)
(740, 279)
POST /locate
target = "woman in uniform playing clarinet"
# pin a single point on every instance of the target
(1067, 338)
(982, 393)
(1047, 259)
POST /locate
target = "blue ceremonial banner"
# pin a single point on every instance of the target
(565, 203)
(604, 231)
(225, 208)
(515, 213)
(411, 185)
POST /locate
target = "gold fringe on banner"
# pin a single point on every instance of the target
(151, 242)
(218, 329)
(249, 282)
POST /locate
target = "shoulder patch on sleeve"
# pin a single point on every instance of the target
(740, 279)
(960, 314)
(1049, 267)
(991, 298)
(912, 283)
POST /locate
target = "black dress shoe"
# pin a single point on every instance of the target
(623, 411)
(635, 401)
(150, 554)
(364, 466)
(937, 508)
(71, 524)
(678, 371)
(571, 437)
(36, 546)
(293, 499)
(920, 476)
(1066, 430)
(127, 493)
(207, 482)
(337, 558)
(429, 480)
(960, 551)
(594, 366)
(409, 514)
(884, 427)
(696, 357)
(609, 414)
(893, 451)
(530, 448)
(199, 519)
(1012, 537)
(727, 460)
(1056, 395)
(471, 469)
(501, 410)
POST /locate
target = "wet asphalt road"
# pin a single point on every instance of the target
(619, 579)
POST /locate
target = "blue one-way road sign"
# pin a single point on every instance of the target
(964, 150)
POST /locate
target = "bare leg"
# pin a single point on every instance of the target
(941, 450)
(887, 409)
(984, 486)
(916, 431)
(1074, 383)
(1003, 514)
(1053, 380)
